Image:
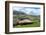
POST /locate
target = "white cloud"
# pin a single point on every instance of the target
(34, 11)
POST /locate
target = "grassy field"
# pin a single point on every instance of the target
(36, 22)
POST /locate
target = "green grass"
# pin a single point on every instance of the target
(29, 25)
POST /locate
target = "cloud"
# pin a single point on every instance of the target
(28, 10)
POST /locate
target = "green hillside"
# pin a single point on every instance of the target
(35, 19)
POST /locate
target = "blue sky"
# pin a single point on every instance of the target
(28, 10)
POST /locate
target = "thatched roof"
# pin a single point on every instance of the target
(24, 18)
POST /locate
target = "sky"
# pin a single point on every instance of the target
(28, 10)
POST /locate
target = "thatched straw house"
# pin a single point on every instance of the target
(24, 21)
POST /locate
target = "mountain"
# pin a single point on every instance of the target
(23, 13)
(18, 13)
